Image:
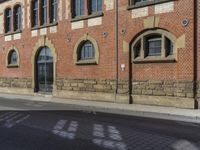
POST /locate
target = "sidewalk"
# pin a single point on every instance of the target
(169, 113)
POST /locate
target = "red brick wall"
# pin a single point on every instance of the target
(65, 64)
(180, 70)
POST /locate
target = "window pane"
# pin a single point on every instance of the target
(13, 57)
(35, 13)
(169, 46)
(17, 25)
(8, 16)
(95, 6)
(53, 11)
(43, 12)
(134, 2)
(154, 46)
(78, 8)
(87, 51)
(137, 48)
(99, 5)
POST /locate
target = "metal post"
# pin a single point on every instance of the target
(117, 50)
(195, 53)
(45, 71)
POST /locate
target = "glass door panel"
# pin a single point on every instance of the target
(45, 70)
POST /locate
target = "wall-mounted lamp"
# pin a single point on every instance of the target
(105, 34)
(123, 31)
(185, 22)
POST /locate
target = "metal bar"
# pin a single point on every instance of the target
(117, 49)
(195, 54)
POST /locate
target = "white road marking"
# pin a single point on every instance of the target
(12, 118)
(3, 115)
(70, 133)
(8, 116)
(110, 138)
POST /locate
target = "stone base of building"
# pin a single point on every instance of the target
(22, 91)
(81, 95)
(159, 92)
(93, 96)
(167, 101)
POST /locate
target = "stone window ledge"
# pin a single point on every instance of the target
(12, 33)
(87, 62)
(148, 3)
(154, 59)
(45, 26)
(79, 18)
(13, 66)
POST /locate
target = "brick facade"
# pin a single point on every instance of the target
(169, 81)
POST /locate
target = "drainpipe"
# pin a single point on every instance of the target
(117, 49)
(195, 53)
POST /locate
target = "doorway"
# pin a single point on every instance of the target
(44, 70)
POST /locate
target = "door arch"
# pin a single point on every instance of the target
(44, 70)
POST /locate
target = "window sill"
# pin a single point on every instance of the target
(144, 4)
(11, 33)
(87, 62)
(45, 26)
(13, 66)
(155, 59)
(79, 18)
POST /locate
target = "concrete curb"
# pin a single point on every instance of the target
(167, 113)
(145, 114)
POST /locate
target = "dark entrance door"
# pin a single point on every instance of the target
(44, 70)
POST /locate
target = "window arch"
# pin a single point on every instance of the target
(17, 17)
(86, 51)
(8, 20)
(154, 45)
(12, 58)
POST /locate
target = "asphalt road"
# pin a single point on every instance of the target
(81, 130)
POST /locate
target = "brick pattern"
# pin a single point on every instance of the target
(163, 88)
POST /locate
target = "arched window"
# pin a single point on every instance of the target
(17, 18)
(12, 58)
(53, 11)
(8, 20)
(86, 51)
(35, 13)
(44, 70)
(154, 45)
